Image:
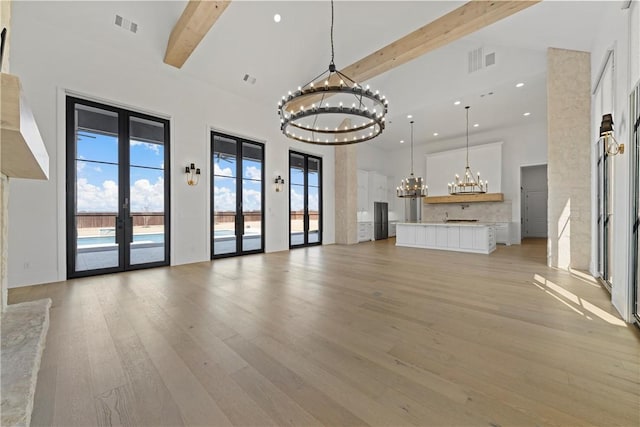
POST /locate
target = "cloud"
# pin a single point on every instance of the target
(253, 172)
(297, 200)
(147, 197)
(221, 172)
(149, 146)
(92, 198)
(224, 200)
(251, 200)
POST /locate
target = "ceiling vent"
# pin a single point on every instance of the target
(490, 59)
(477, 60)
(126, 24)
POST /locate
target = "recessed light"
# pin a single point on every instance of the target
(435, 134)
(277, 17)
(476, 125)
(527, 114)
(409, 116)
(520, 85)
(456, 103)
(402, 141)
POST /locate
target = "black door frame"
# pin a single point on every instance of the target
(306, 200)
(239, 218)
(635, 203)
(124, 223)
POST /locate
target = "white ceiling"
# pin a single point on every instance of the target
(282, 56)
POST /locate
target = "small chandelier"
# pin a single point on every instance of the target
(412, 186)
(467, 184)
(355, 113)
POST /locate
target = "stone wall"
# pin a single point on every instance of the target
(346, 194)
(569, 158)
(485, 211)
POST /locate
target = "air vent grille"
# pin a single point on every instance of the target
(126, 24)
(475, 60)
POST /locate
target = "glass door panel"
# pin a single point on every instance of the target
(252, 197)
(117, 202)
(148, 230)
(305, 200)
(237, 196)
(224, 196)
(297, 196)
(95, 202)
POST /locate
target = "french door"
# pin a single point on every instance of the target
(237, 194)
(117, 189)
(305, 200)
(605, 213)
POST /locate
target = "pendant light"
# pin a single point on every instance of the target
(467, 184)
(332, 109)
(412, 186)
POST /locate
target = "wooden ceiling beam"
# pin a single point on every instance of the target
(195, 22)
(466, 19)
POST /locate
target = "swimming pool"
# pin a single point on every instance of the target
(111, 240)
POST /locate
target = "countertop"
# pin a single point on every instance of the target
(450, 224)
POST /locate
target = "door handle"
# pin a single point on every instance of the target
(125, 205)
(119, 225)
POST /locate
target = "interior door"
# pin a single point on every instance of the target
(117, 189)
(237, 194)
(535, 213)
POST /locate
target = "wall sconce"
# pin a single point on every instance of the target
(611, 146)
(193, 174)
(279, 181)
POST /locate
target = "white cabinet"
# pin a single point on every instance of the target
(478, 238)
(453, 237)
(406, 235)
(363, 191)
(467, 236)
(377, 188)
(365, 231)
(503, 233)
(392, 229)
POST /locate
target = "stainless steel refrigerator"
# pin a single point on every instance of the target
(380, 220)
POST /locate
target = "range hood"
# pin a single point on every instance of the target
(22, 150)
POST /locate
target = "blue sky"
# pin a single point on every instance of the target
(97, 183)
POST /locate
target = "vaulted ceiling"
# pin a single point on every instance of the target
(280, 56)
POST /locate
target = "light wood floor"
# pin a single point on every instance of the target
(339, 335)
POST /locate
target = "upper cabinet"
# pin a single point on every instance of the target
(24, 154)
(377, 188)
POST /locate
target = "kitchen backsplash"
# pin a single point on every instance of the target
(484, 211)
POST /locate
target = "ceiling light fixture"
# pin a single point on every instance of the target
(456, 103)
(476, 125)
(468, 185)
(277, 17)
(520, 85)
(409, 116)
(435, 134)
(412, 186)
(527, 114)
(356, 113)
(402, 141)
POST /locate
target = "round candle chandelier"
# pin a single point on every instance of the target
(468, 184)
(412, 186)
(332, 109)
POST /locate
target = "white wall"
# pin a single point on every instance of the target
(617, 28)
(51, 60)
(523, 145)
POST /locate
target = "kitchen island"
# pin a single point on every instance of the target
(476, 237)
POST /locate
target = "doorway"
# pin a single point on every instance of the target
(237, 194)
(305, 200)
(117, 189)
(534, 194)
